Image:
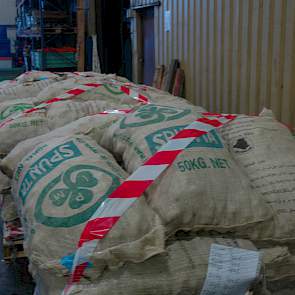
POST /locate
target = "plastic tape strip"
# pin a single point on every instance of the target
(230, 271)
(110, 211)
(74, 92)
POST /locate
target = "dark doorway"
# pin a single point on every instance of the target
(113, 37)
(148, 46)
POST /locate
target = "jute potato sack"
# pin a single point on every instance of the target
(33, 76)
(265, 149)
(181, 270)
(54, 115)
(279, 265)
(93, 126)
(64, 112)
(109, 91)
(26, 90)
(58, 187)
(204, 175)
(24, 127)
(7, 205)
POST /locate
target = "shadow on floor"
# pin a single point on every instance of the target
(14, 278)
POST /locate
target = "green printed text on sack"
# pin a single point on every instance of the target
(201, 163)
(157, 139)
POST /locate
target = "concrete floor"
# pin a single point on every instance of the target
(14, 279)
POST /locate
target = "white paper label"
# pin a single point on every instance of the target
(167, 20)
(231, 271)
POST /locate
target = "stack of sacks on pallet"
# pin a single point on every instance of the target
(61, 177)
(56, 184)
(208, 176)
(72, 107)
(52, 195)
(57, 198)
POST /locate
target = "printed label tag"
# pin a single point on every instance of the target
(231, 271)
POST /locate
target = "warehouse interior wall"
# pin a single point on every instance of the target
(238, 56)
(7, 15)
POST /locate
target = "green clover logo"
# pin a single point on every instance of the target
(77, 193)
(152, 114)
(78, 189)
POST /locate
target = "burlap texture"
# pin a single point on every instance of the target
(59, 186)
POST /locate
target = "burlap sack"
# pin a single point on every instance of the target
(62, 113)
(7, 204)
(59, 186)
(279, 267)
(265, 149)
(59, 88)
(33, 76)
(26, 90)
(182, 271)
(4, 183)
(7, 83)
(15, 106)
(22, 128)
(93, 126)
(204, 189)
(53, 116)
(8, 208)
(107, 92)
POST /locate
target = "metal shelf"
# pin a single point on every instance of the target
(46, 13)
(28, 34)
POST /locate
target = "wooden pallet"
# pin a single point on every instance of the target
(13, 250)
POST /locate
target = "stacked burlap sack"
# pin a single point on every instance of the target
(57, 114)
(211, 195)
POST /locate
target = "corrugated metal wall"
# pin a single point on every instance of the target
(238, 55)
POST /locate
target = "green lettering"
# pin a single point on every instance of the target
(66, 150)
(56, 157)
(35, 171)
(194, 164)
(180, 167)
(214, 163)
(202, 163)
(187, 165)
(222, 163)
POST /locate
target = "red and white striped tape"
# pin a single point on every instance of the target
(108, 214)
(74, 92)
